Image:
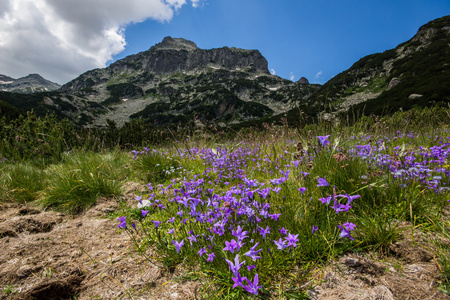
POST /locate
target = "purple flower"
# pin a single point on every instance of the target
(281, 244)
(322, 182)
(239, 234)
(276, 190)
(211, 257)
(264, 232)
(133, 225)
(170, 231)
(231, 246)
(349, 226)
(302, 190)
(253, 287)
(144, 212)
(251, 268)
(178, 245)
(171, 220)
(326, 200)
(345, 231)
(275, 216)
(253, 252)
(201, 252)
(283, 231)
(323, 140)
(292, 239)
(314, 229)
(192, 239)
(123, 222)
(156, 223)
(238, 280)
(236, 266)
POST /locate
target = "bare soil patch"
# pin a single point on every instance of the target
(50, 255)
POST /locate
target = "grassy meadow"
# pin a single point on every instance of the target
(250, 213)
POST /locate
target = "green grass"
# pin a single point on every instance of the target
(73, 180)
(20, 182)
(77, 182)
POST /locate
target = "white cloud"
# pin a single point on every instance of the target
(61, 39)
(197, 3)
(318, 75)
(291, 76)
(272, 71)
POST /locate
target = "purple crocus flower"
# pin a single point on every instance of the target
(314, 229)
(253, 287)
(236, 266)
(144, 212)
(178, 245)
(170, 231)
(133, 225)
(302, 190)
(253, 252)
(322, 182)
(323, 140)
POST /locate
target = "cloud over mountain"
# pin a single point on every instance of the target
(61, 39)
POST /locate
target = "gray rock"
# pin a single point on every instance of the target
(414, 96)
(394, 81)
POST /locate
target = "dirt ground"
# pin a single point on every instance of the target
(49, 255)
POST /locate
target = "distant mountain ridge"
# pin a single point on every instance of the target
(29, 84)
(176, 83)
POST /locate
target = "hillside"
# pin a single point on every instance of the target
(415, 73)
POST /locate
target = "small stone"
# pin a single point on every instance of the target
(414, 96)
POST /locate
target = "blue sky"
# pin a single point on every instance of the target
(316, 39)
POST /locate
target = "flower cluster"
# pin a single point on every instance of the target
(226, 215)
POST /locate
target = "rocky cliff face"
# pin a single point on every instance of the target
(177, 82)
(28, 84)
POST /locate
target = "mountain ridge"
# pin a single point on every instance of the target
(176, 83)
(31, 83)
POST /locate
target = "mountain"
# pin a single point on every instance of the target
(415, 73)
(28, 84)
(177, 82)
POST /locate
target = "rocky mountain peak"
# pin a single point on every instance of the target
(176, 44)
(28, 84)
(303, 80)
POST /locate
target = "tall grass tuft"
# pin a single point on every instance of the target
(20, 182)
(75, 184)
